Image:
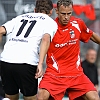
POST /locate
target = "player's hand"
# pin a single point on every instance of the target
(39, 72)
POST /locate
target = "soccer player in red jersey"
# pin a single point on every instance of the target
(64, 71)
(28, 38)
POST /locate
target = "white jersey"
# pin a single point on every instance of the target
(24, 34)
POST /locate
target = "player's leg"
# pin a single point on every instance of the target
(12, 97)
(51, 88)
(91, 95)
(43, 94)
(81, 88)
(9, 85)
(30, 97)
(28, 84)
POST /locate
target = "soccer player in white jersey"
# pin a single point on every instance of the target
(28, 39)
(64, 72)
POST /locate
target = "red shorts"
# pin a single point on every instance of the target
(76, 86)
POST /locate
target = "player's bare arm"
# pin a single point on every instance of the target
(2, 32)
(43, 50)
(95, 38)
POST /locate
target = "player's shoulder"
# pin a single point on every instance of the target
(43, 17)
(77, 20)
(50, 21)
(49, 18)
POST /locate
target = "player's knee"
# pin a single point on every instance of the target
(91, 95)
(42, 95)
(95, 97)
(30, 97)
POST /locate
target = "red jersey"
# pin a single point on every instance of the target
(63, 57)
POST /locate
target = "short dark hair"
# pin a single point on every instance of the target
(64, 3)
(43, 6)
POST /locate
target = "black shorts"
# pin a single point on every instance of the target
(19, 76)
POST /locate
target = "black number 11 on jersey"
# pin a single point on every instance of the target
(24, 22)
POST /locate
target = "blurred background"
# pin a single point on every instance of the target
(88, 10)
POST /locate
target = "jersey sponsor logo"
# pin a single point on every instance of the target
(70, 42)
(61, 45)
(18, 40)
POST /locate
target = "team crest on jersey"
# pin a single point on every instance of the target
(72, 34)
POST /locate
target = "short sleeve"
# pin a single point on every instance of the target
(86, 33)
(51, 28)
(9, 25)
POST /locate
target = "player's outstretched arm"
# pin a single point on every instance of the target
(95, 38)
(43, 50)
(2, 32)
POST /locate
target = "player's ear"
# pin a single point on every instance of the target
(56, 9)
(34, 10)
(51, 11)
